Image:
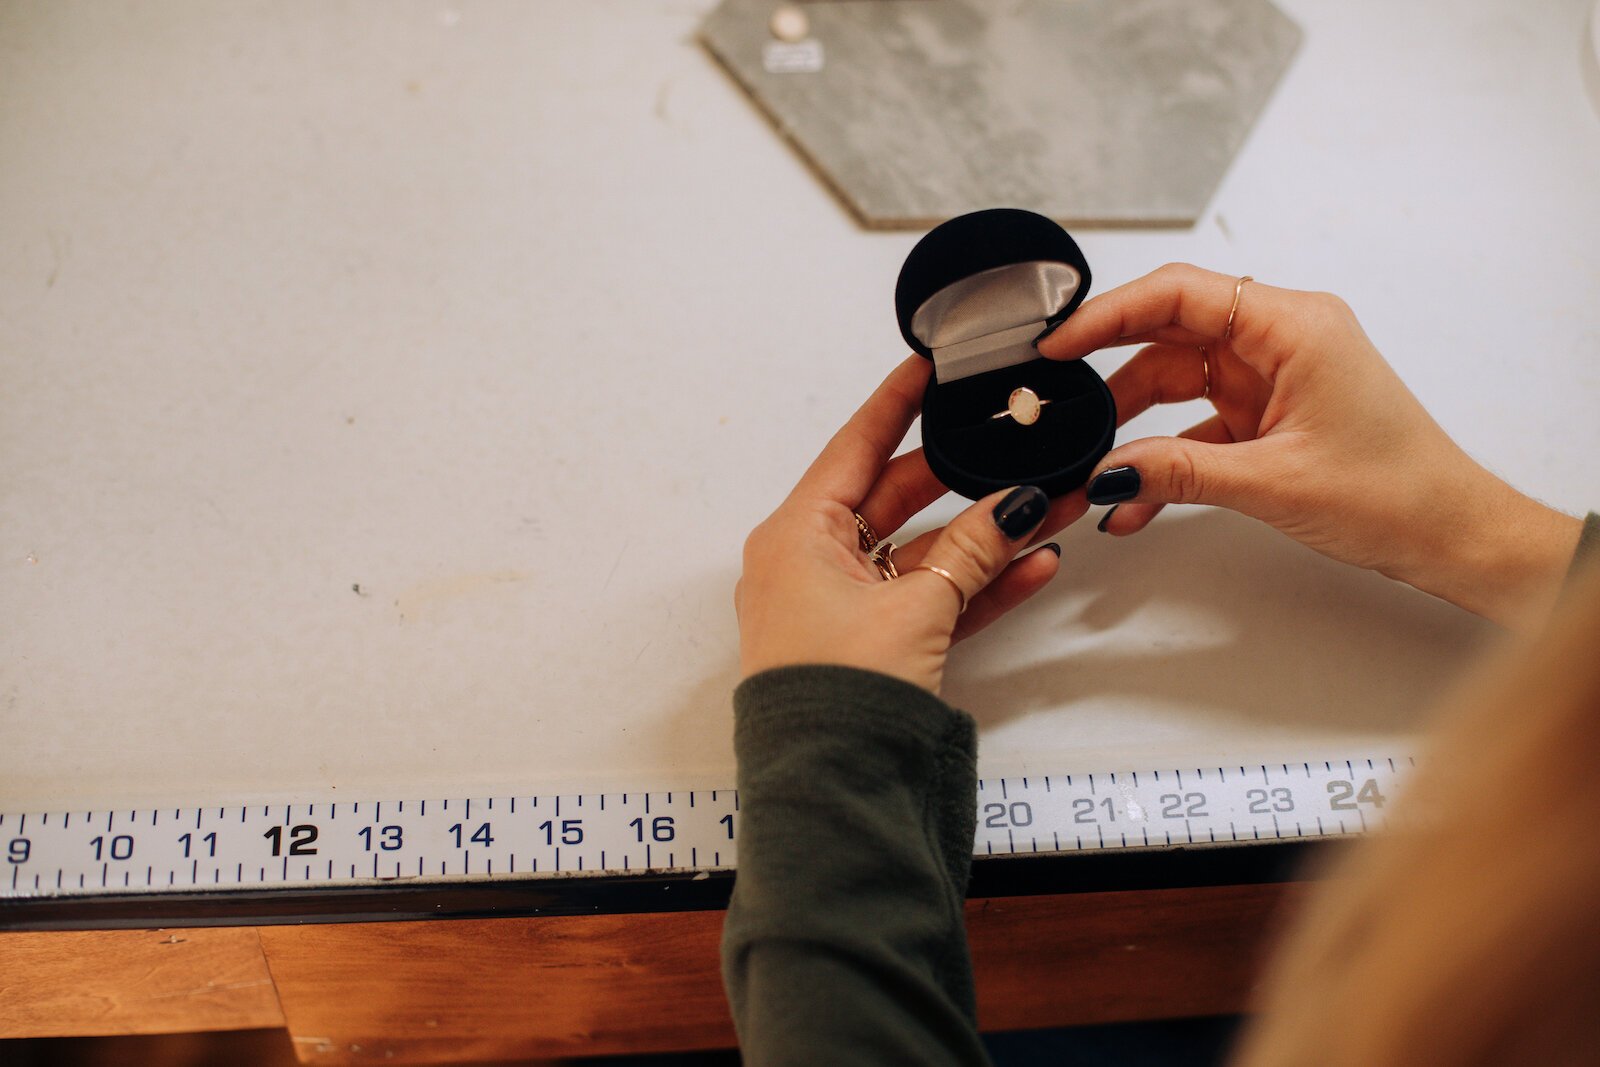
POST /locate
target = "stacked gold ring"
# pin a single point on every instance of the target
(1234, 308)
(947, 576)
(869, 539)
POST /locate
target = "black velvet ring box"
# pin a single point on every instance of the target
(974, 296)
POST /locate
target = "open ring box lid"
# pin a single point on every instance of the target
(974, 296)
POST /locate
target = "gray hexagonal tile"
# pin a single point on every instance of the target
(1111, 112)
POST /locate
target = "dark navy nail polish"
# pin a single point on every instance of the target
(1048, 330)
(1053, 547)
(1022, 509)
(1114, 486)
(1101, 525)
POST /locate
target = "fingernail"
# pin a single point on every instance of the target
(1114, 485)
(1022, 509)
(1048, 330)
(1053, 547)
(1101, 525)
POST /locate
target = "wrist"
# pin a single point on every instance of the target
(1508, 561)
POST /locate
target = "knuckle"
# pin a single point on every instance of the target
(1178, 272)
(763, 541)
(754, 543)
(1332, 308)
(974, 553)
(1184, 476)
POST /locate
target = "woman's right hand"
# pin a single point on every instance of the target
(1315, 434)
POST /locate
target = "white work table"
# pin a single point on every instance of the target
(386, 391)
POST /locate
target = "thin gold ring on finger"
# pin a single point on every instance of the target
(1234, 309)
(869, 539)
(947, 576)
(1205, 368)
(883, 559)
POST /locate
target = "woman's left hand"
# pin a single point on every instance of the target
(810, 594)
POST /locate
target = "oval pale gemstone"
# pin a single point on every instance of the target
(1024, 406)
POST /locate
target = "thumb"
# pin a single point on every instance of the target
(978, 544)
(1176, 470)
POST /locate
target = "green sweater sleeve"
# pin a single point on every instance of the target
(844, 942)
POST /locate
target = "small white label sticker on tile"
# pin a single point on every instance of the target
(801, 57)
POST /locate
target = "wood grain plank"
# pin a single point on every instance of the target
(455, 991)
(1116, 957)
(80, 982)
(450, 992)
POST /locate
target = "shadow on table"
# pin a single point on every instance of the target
(1211, 610)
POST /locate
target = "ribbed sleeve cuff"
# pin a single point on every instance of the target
(770, 705)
